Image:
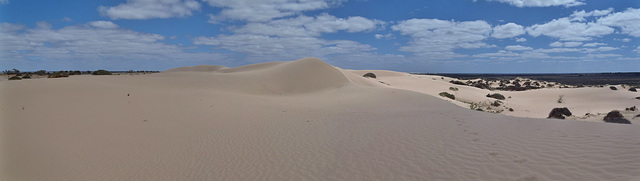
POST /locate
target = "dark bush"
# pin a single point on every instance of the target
(453, 88)
(496, 96)
(496, 103)
(58, 74)
(559, 113)
(26, 76)
(446, 94)
(15, 78)
(633, 108)
(101, 72)
(457, 82)
(613, 88)
(633, 89)
(370, 75)
(615, 117)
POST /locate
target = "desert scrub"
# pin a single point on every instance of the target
(453, 88)
(101, 72)
(446, 94)
(496, 96)
(560, 99)
(15, 78)
(457, 82)
(370, 75)
(58, 74)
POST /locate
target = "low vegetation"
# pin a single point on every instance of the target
(559, 113)
(453, 88)
(15, 78)
(101, 72)
(370, 75)
(633, 89)
(496, 96)
(58, 74)
(560, 99)
(613, 88)
(446, 94)
(615, 117)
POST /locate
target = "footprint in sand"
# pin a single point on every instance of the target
(494, 154)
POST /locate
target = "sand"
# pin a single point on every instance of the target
(300, 120)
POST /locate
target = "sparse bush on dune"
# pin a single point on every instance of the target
(26, 76)
(633, 89)
(58, 74)
(615, 117)
(101, 72)
(559, 113)
(496, 96)
(613, 88)
(15, 78)
(446, 94)
(453, 88)
(457, 82)
(370, 75)
(560, 99)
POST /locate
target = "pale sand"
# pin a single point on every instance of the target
(301, 120)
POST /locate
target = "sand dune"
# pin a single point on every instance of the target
(300, 120)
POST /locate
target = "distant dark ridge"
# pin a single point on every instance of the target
(629, 78)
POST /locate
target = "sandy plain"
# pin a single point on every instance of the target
(301, 120)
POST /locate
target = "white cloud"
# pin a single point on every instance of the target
(581, 15)
(263, 10)
(386, 36)
(626, 40)
(517, 48)
(628, 21)
(542, 3)
(637, 49)
(567, 30)
(438, 38)
(572, 44)
(146, 9)
(556, 44)
(103, 24)
(87, 45)
(263, 47)
(43, 25)
(595, 44)
(508, 30)
(521, 40)
(309, 26)
(67, 19)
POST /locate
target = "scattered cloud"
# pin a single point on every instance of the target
(568, 30)
(581, 15)
(572, 44)
(628, 21)
(521, 40)
(438, 38)
(263, 10)
(595, 44)
(517, 48)
(67, 19)
(556, 44)
(103, 24)
(386, 36)
(147, 9)
(90, 44)
(626, 40)
(637, 50)
(542, 3)
(508, 30)
(309, 26)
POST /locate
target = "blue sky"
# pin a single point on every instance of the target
(440, 36)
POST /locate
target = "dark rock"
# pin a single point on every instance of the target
(370, 75)
(615, 117)
(559, 113)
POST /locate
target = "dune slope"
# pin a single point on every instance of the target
(316, 123)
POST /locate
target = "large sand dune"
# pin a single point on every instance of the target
(300, 120)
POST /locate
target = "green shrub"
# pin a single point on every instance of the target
(496, 96)
(453, 88)
(59, 74)
(446, 94)
(370, 75)
(15, 78)
(101, 72)
(457, 82)
(26, 76)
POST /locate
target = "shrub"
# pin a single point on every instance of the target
(559, 113)
(496, 96)
(453, 88)
(613, 88)
(633, 89)
(560, 99)
(101, 72)
(370, 75)
(15, 78)
(446, 94)
(26, 76)
(632, 108)
(474, 106)
(615, 117)
(58, 74)
(457, 82)
(496, 103)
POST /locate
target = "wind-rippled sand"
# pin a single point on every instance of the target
(300, 120)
